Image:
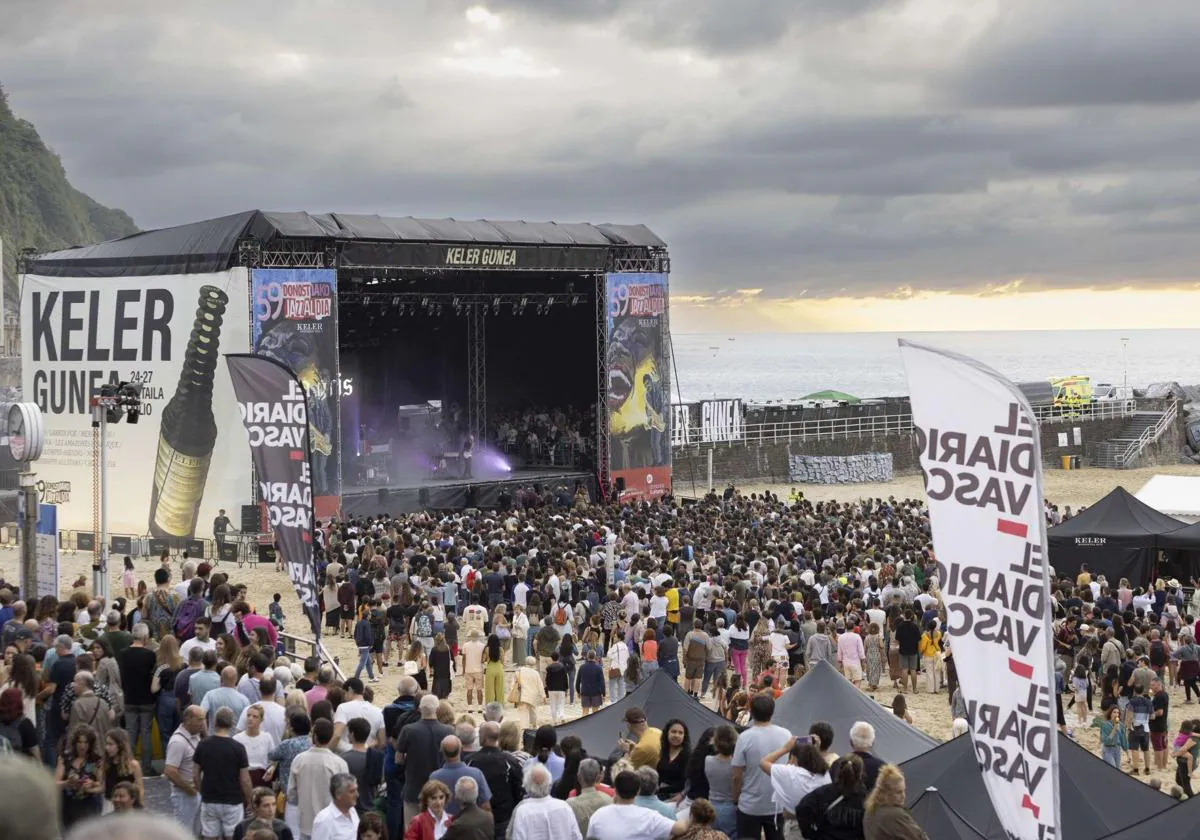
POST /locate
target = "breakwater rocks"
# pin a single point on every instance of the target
(843, 469)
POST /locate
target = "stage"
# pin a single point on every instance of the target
(454, 493)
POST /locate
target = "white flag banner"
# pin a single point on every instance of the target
(980, 456)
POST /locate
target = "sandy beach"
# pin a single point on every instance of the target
(930, 712)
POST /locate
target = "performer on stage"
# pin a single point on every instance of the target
(468, 449)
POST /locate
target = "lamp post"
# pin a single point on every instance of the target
(113, 403)
(1125, 361)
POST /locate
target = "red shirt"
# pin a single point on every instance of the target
(254, 621)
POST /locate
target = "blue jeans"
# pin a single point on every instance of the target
(726, 817)
(712, 670)
(168, 718)
(138, 721)
(395, 807)
(649, 667)
(364, 661)
(571, 684)
(671, 666)
(1111, 755)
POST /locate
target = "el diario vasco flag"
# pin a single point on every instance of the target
(274, 410)
(981, 460)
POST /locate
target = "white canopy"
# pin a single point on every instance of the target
(1174, 495)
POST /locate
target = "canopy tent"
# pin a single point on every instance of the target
(1179, 821)
(1174, 495)
(823, 694)
(831, 396)
(659, 696)
(939, 819)
(1117, 537)
(1095, 798)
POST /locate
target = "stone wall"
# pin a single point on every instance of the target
(841, 469)
(1090, 431)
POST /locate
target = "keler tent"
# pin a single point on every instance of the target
(659, 697)
(825, 695)
(939, 819)
(1096, 799)
(1117, 537)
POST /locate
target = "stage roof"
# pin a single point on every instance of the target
(212, 245)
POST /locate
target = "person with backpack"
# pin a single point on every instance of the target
(422, 627)
(189, 612)
(161, 604)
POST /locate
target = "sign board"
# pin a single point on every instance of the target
(721, 420)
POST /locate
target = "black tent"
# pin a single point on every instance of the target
(1095, 798)
(1179, 821)
(939, 819)
(659, 696)
(825, 695)
(1117, 537)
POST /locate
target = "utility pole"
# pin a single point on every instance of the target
(29, 569)
(1125, 360)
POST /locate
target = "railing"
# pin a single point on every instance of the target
(880, 425)
(1106, 410)
(1148, 436)
(300, 648)
(825, 429)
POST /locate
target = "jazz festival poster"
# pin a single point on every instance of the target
(273, 407)
(295, 323)
(639, 408)
(981, 460)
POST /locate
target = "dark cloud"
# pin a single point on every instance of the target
(798, 147)
(1083, 53)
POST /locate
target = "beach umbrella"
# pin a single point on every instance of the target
(839, 396)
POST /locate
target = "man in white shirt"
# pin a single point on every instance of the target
(474, 617)
(472, 652)
(356, 707)
(187, 571)
(203, 638)
(538, 816)
(339, 819)
(630, 603)
(521, 593)
(623, 820)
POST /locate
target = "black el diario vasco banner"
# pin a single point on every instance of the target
(475, 257)
(273, 407)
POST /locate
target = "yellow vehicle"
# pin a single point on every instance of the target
(1072, 391)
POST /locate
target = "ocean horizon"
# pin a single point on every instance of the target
(760, 367)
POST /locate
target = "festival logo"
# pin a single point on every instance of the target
(295, 323)
(979, 453)
(178, 465)
(638, 404)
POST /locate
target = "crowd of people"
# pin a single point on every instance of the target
(487, 626)
(554, 436)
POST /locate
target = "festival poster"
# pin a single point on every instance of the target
(639, 414)
(273, 408)
(980, 457)
(179, 464)
(295, 323)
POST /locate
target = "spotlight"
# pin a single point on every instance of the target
(396, 300)
(549, 301)
(574, 300)
(424, 303)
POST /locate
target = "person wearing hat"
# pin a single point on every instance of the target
(643, 743)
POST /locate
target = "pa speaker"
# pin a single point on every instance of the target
(620, 484)
(423, 497)
(382, 494)
(228, 552)
(251, 519)
(194, 548)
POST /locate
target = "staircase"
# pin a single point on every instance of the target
(1143, 429)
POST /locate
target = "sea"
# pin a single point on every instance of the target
(762, 367)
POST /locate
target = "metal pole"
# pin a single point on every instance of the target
(1125, 360)
(100, 583)
(29, 571)
(710, 474)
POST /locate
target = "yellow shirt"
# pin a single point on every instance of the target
(929, 643)
(673, 605)
(645, 752)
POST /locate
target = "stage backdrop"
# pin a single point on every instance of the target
(638, 403)
(186, 457)
(295, 323)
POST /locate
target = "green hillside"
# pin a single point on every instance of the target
(38, 207)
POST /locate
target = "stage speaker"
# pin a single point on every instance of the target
(382, 495)
(471, 497)
(121, 545)
(228, 552)
(620, 484)
(194, 548)
(266, 554)
(423, 497)
(251, 519)
(85, 541)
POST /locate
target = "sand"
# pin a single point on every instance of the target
(930, 712)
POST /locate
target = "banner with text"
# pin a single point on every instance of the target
(180, 464)
(639, 437)
(273, 407)
(295, 323)
(979, 453)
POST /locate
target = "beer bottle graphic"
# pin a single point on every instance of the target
(188, 431)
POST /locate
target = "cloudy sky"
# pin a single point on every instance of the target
(814, 164)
